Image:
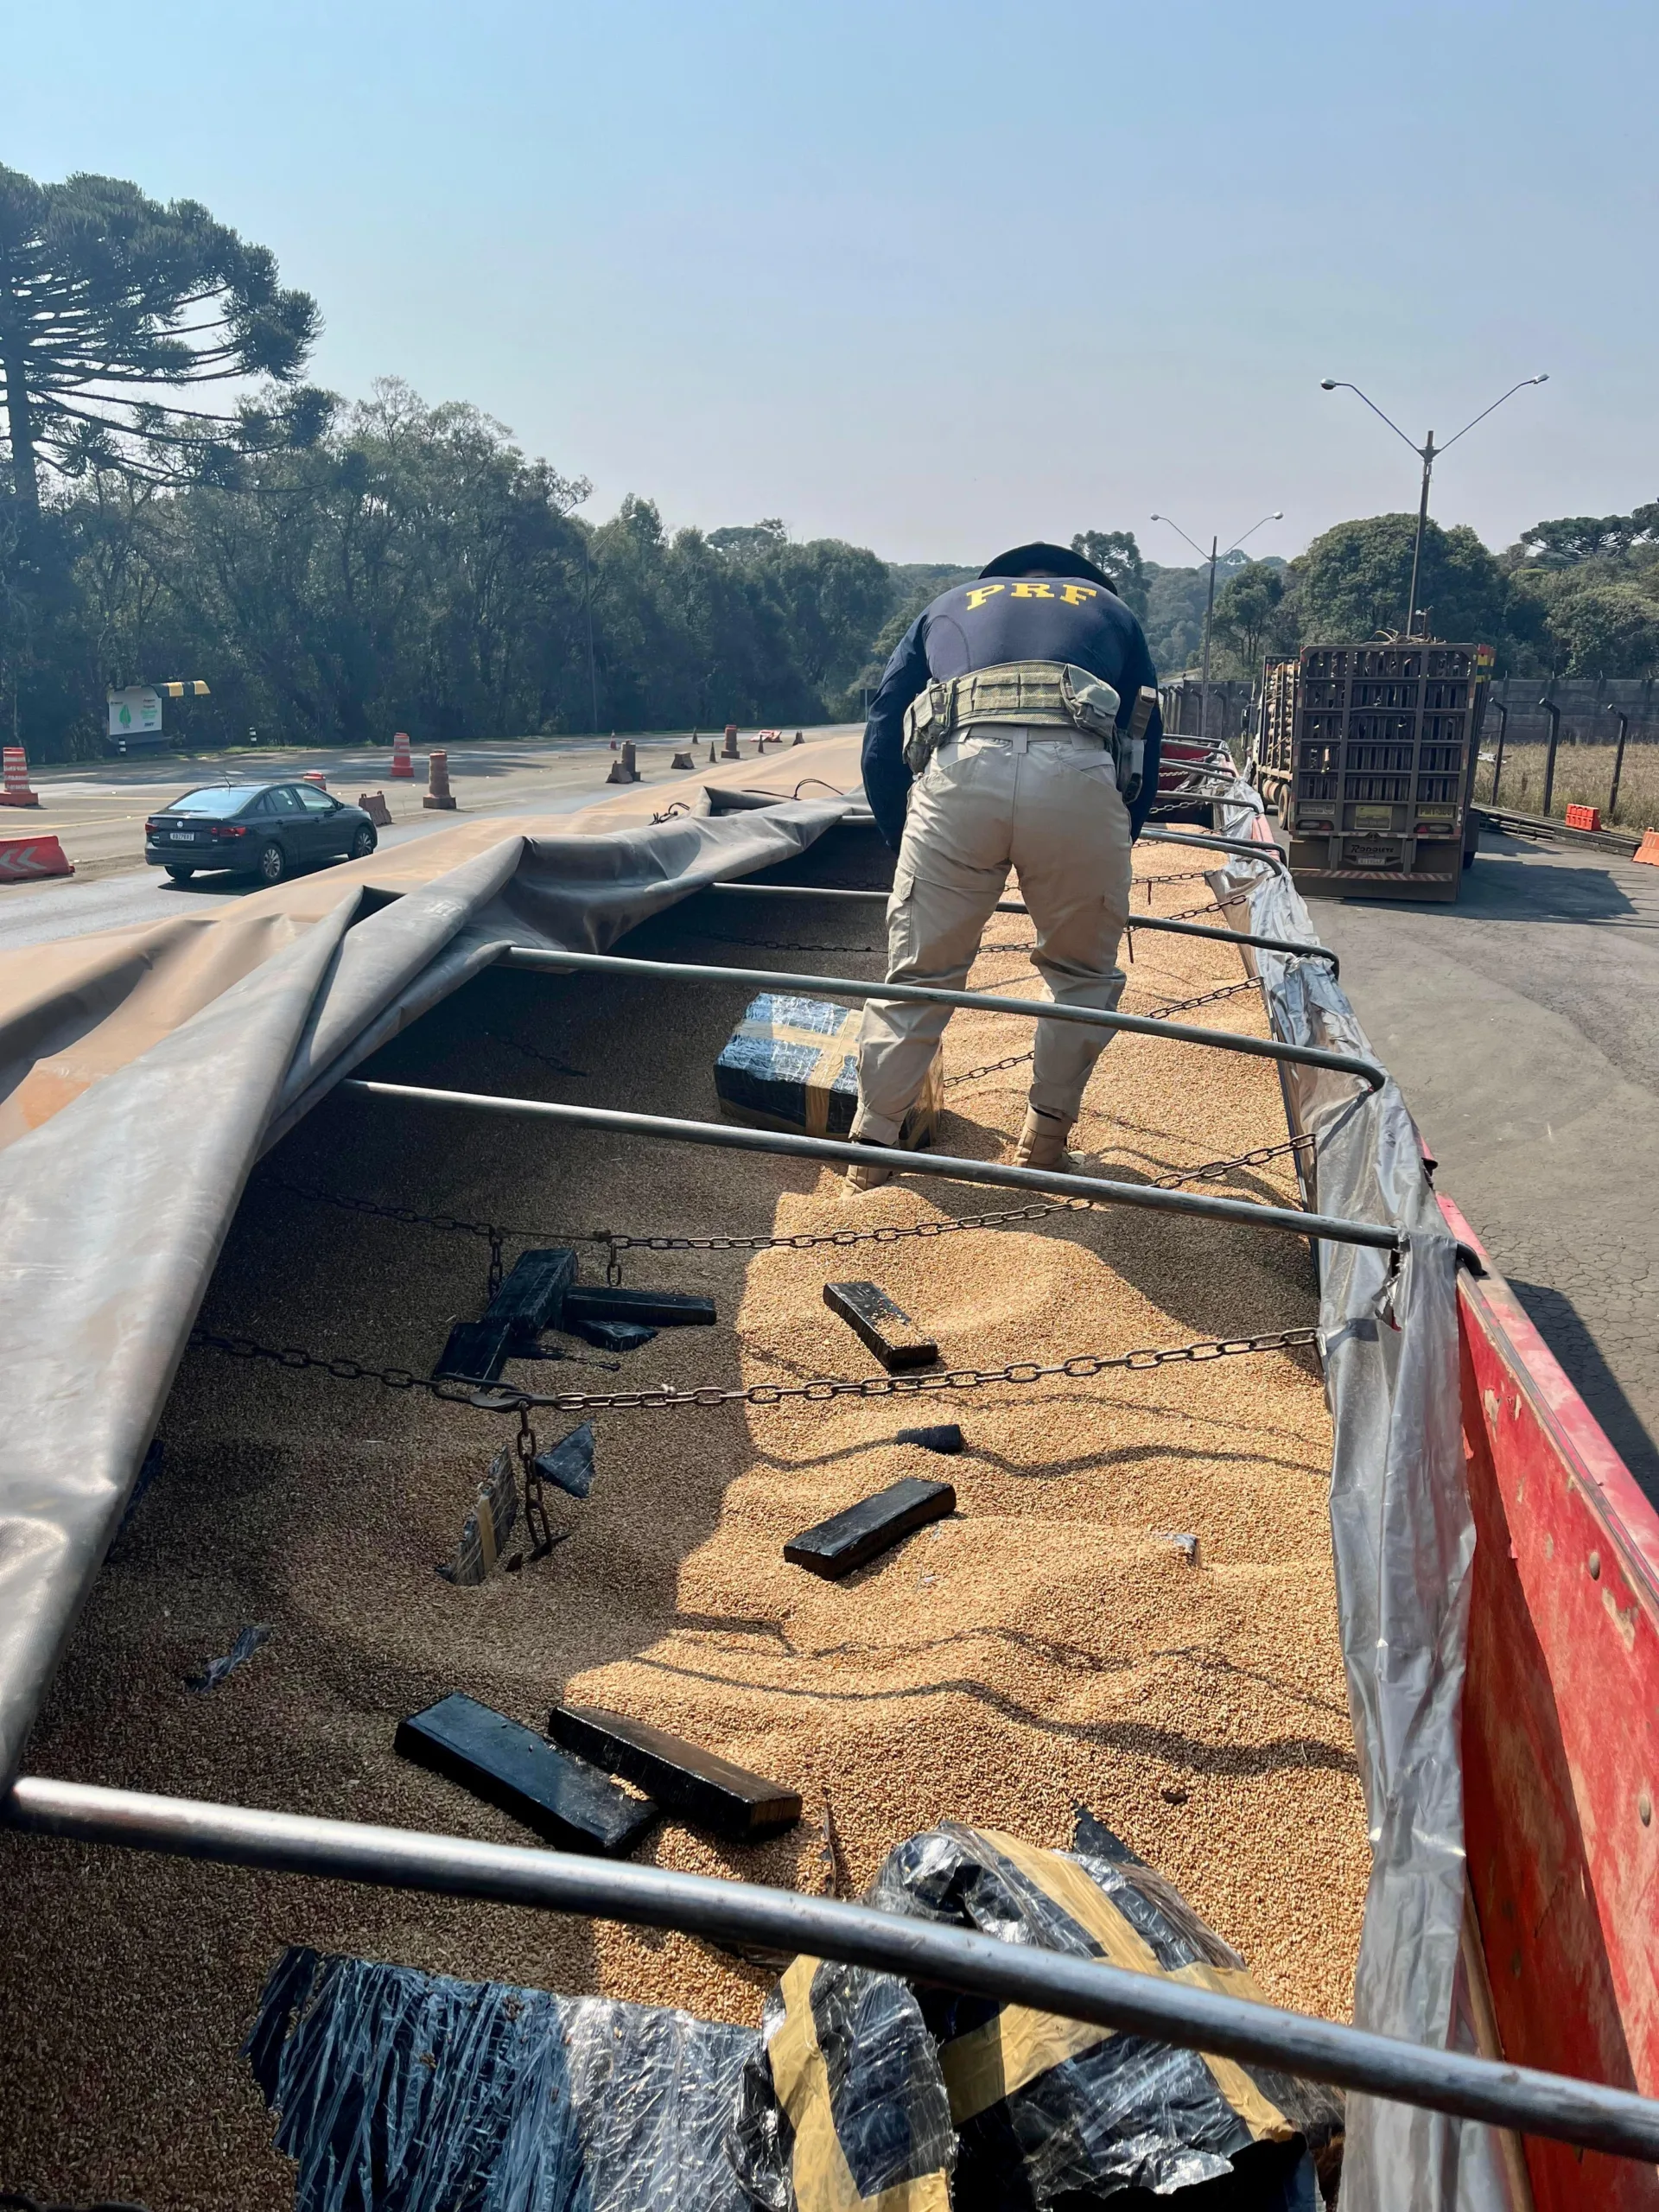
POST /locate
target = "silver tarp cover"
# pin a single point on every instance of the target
(113, 1209)
(1404, 1539)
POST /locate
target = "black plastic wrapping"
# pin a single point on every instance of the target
(844, 2102)
(407, 2092)
(1046, 2109)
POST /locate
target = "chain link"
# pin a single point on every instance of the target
(1164, 1013)
(779, 944)
(524, 1445)
(616, 1241)
(1082, 1367)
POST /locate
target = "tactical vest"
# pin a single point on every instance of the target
(1028, 694)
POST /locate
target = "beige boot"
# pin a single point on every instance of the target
(861, 1178)
(1042, 1141)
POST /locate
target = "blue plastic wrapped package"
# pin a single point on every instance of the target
(407, 2092)
(792, 1063)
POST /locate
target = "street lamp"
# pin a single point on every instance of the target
(1212, 557)
(1427, 453)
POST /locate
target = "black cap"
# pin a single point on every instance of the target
(1040, 560)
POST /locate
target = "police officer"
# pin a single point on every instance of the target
(1010, 730)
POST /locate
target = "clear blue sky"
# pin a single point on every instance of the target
(935, 278)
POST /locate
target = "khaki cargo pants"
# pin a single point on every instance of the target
(1045, 802)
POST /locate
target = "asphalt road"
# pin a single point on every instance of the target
(97, 809)
(1522, 1025)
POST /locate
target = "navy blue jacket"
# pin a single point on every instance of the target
(983, 625)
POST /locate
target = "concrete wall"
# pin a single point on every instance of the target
(1583, 702)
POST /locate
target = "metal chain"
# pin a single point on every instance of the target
(779, 944)
(1080, 1367)
(1164, 1013)
(494, 1233)
(524, 1445)
(531, 1052)
(616, 1241)
(1186, 875)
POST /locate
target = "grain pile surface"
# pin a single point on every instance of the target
(1046, 1647)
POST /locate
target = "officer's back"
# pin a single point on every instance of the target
(1074, 617)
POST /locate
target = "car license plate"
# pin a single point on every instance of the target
(1372, 856)
(182, 837)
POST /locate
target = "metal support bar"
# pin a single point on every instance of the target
(837, 986)
(731, 1137)
(1014, 906)
(1251, 848)
(752, 1916)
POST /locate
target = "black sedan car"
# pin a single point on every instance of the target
(270, 830)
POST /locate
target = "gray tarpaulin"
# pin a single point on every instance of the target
(1403, 1536)
(183, 1053)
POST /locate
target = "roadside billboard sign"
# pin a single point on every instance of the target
(135, 712)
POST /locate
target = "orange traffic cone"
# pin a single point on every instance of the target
(401, 765)
(799, 739)
(437, 776)
(17, 792)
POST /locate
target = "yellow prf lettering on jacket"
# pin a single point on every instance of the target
(1032, 591)
(1080, 595)
(978, 597)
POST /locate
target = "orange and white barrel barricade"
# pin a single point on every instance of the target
(16, 792)
(729, 751)
(401, 765)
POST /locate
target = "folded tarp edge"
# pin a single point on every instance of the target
(113, 1211)
(563, 893)
(112, 1214)
(1402, 1535)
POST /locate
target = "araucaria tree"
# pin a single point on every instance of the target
(115, 312)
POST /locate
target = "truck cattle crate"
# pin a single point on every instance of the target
(1369, 753)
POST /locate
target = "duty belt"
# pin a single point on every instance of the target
(1024, 694)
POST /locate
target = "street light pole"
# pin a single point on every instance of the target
(1428, 453)
(1208, 624)
(1212, 557)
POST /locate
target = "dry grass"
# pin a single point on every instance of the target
(1584, 777)
(1046, 1647)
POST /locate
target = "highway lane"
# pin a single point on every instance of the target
(1522, 1026)
(98, 810)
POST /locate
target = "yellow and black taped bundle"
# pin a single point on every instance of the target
(792, 1063)
(842, 2107)
(842, 2110)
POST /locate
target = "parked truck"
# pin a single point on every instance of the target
(1368, 753)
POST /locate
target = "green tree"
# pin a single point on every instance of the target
(1352, 582)
(1250, 613)
(1603, 627)
(1573, 538)
(1116, 555)
(112, 307)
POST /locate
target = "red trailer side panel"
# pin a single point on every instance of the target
(1561, 1732)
